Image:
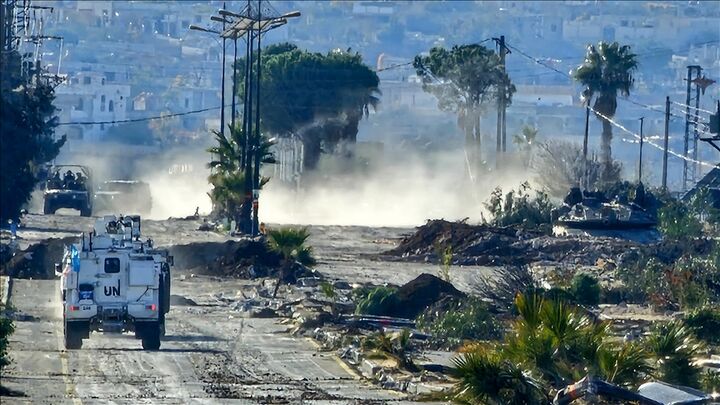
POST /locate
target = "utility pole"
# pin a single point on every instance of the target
(641, 148)
(665, 148)
(696, 135)
(686, 142)
(501, 142)
(234, 86)
(258, 139)
(222, 82)
(586, 180)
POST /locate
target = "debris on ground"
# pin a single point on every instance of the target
(38, 260)
(247, 258)
(181, 301)
(486, 245)
(420, 293)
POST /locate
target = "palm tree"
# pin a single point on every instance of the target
(228, 179)
(289, 243)
(627, 365)
(673, 346)
(607, 70)
(486, 377)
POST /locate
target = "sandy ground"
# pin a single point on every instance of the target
(212, 353)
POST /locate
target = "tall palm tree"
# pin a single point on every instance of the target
(606, 71)
(228, 179)
(289, 243)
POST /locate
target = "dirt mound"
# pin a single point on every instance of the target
(420, 293)
(486, 245)
(38, 260)
(471, 244)
(244, 258)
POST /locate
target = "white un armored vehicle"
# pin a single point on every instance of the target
(114, 282)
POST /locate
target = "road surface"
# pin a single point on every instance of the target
(212, 353)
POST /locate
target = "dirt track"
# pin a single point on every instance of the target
(212, 353)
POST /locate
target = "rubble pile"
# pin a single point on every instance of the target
(246, 258)
(420, 293)
(38, 260)
(487, 245)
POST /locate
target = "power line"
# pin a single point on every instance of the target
(538, 61)
(394, 66)
(611, 121)
(670, 151)
(693, 107)
(568, 76)
(142, 119)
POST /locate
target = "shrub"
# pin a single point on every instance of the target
(674, 347)
(519, 208)
(6, 329)
(470, 321)
(677, 222)
(586, 289)
(705, 323)
(378, 301)
(711, 381)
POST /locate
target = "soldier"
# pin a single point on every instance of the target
(68, 179)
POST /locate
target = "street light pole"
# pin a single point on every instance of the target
(258, 139)
(234, 86)
(222, 85)
(641, 150)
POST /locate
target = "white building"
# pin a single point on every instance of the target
(86, 98)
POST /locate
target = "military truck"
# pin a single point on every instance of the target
(68, 186)
(113, 282)
(123, 195)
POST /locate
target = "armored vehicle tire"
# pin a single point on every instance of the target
(48, 208)
(85, 212)
(151, 337)
(73, 338)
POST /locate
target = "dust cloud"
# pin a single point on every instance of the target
(177, 176)
(400, 190)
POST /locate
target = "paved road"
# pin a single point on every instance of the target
(211, 355)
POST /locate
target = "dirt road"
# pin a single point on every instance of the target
(212, 352)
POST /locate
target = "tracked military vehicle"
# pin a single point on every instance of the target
(114, 282)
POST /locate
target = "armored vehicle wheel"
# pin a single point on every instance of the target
(73, 338)
(85, 212)
(48, 208)
(151, 338)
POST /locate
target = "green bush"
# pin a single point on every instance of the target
(520, 208)
(378, 301)
(710, 381)
(6, 329)
(677, 221)
(586, 289)
(470, 321)
(705, 323)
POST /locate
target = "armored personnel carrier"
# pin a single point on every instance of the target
(68, 186)
(114, 282)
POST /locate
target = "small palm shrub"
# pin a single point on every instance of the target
(673, 346)
(378, 301)
(6, 329)
(705, 324)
